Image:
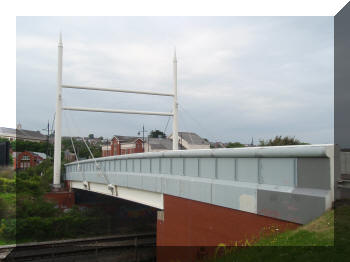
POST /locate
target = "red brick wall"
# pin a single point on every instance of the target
(32, 159)
(189, 223)
(115, 148)
(62, 199)
(139, 146)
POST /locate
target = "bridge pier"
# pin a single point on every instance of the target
(188, 229)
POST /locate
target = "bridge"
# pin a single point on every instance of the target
(207, 197)
(199, 191)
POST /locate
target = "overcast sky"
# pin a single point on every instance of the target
(238, 77)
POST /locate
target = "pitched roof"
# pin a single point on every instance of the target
(192, 138)
(42, 155)
(7, 131)
(162, 143)
(127, 139)
(22, 134)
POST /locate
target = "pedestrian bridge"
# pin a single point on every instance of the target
(291, 183)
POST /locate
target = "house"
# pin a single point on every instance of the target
(159, 144)
(187, 141)
(26, 159)
(217, 145)
(191, 140)
(122, 145)
(22, 134)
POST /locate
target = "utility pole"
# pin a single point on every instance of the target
(57, 154)
(175, 108)
(143, 137)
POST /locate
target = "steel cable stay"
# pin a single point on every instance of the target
(194, 119)
(98, 166)
(166, 126)
(65, 117)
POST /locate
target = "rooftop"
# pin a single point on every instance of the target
(22, 134)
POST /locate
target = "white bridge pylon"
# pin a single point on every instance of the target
(59, 108)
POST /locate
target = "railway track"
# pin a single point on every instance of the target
(127, 247)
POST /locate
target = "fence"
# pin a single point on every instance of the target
(4, 153)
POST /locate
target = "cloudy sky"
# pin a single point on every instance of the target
(238, 77)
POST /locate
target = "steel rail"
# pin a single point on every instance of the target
(71, 246)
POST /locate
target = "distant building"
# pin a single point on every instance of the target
(217, 145)
(93, 141)
(69, 156)
(187, 141)
(26, 159)
(22, 134)
(190, 140)
(159, 144)
(122, 145)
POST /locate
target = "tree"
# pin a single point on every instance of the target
(21, 145)
(81, 149)
(91, 136)
(281, 141)
(157, 134)
(233, 145)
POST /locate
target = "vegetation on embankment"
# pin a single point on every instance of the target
(26, 216)
(324, 239)
(7, 200)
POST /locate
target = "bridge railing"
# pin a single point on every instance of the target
(256, 179)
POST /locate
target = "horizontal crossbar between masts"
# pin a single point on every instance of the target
(117, 111)
(117, 90)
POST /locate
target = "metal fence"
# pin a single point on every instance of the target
(4, 153)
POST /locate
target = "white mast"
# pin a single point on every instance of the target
(175, 109)
(57, 154)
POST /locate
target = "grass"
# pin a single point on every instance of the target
(319, 232)
(7, 172)
(9, 199)
(324, 239)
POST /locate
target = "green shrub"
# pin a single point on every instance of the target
(35, 207)
(65, 226)
(3, 208)
(29, 186)
(7, 185)
(8, 229)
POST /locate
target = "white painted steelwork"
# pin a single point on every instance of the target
(117, 90)
(116, 111)
(281, 182)
(59, 108)
(144, 197)
(306, 151)
(175, 107)
(58, 121)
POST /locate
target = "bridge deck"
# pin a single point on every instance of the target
(280, 182)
